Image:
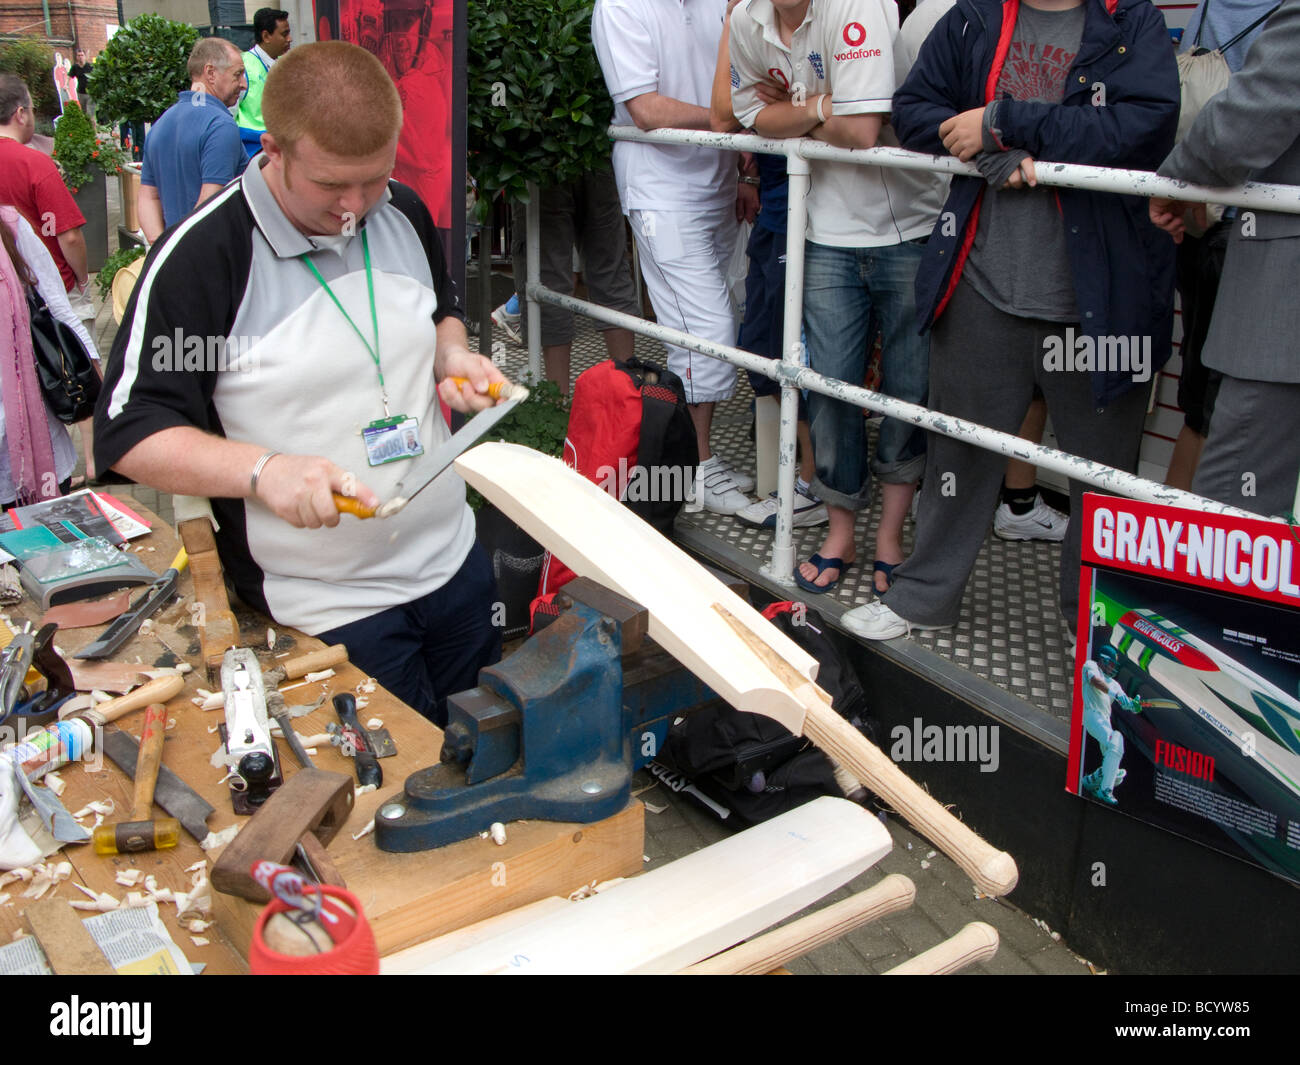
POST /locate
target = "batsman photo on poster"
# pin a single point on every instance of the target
(1187, 677)
(416, 40)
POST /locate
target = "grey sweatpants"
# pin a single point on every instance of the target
(1252, 457)
(984, 365)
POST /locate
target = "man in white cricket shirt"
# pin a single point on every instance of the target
(658, 59)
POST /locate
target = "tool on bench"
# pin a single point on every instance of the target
(210, 608)
(158, 690)
(171, 793)
(141, 833)
(356, 742)
(298, 819)
(426, 469)
(153, 599)
(554, 732)
(254, 764)
(34, 650)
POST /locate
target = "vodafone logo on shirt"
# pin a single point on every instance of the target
(854, 34)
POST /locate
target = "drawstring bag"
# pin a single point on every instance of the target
(1203, 73)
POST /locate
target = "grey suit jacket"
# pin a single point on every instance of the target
(1251, 132)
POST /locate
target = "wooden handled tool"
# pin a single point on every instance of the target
(773, 949)
(313, 661)
(141, 833)
(158, 690)
(974, 943)
(710, 630)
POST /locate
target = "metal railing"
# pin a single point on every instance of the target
(792, 375)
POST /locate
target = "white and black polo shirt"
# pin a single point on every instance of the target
(228, 331)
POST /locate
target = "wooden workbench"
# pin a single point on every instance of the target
(407, 897)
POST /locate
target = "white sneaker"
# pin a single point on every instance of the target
(875, 621)
(808, 510)
(743, 481)
(508, 323)
(716, 490)
(1040, 523)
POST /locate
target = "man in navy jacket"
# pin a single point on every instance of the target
(1024, 287)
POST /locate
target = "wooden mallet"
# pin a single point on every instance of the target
(141, 833)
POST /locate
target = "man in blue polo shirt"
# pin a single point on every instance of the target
(194, 148)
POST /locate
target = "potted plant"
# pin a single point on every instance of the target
(540, 422)
(84, 156)
(139, 73)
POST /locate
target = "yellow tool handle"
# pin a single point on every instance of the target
(350, 505)
(496, 389)
(158, 690)
(180, 561)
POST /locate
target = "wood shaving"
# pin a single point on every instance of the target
(213, 701)
(219, 839)
(361, 789)
(362, 703)
(324, 674)
(171, 723)
(47, 875)
(98, 696)
(317, 739)
(54, 782)
(4, 898)
(498, 833)
(655, 809)
(22, 873)
(367, 686)
(270, 639)
(129, 877)
(366, 831)
(103, 807)
(199, 941)
(136, 900)
(374, 722)
(202, 863)
(102, 903)
(151, 884)
(19, 934)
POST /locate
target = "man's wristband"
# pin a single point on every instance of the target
(821, 99)
(258, 467)
(749, 180)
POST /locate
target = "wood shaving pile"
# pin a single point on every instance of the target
(39, 878)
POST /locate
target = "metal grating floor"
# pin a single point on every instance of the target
(1010, 632)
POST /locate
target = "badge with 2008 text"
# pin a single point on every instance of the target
(392, 439)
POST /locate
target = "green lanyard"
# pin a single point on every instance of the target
(374, 318)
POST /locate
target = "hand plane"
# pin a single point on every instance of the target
(246, 733)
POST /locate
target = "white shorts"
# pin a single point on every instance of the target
(684, 260)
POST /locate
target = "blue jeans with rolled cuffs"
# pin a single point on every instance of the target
(845, 290)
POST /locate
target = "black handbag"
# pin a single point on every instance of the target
(68, 376)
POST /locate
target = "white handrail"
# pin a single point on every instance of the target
(793, 376)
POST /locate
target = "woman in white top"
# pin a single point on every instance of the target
(36, 452)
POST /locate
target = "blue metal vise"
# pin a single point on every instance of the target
(553, 733)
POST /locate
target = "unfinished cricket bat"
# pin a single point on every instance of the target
(710, 630)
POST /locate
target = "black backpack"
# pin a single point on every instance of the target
(752, 766)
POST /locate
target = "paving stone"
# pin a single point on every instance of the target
(1056, 961)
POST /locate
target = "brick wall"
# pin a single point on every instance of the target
(85, 24)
